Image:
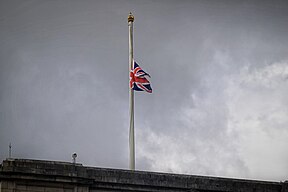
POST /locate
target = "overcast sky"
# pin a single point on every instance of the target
(219, 73)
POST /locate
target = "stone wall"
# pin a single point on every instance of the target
(24, 175)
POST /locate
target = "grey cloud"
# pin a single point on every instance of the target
(64, 83)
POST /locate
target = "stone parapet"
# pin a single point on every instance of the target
(38, 175)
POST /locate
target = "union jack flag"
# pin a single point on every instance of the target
(138, 80)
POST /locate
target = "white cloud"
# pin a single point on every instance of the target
(236, 127)
(257, 106)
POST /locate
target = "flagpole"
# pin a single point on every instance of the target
(131, 96)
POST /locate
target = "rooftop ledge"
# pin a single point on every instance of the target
(74, 172)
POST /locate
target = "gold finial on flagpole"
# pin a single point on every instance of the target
(130, 17)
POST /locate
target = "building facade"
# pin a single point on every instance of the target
(23, 175)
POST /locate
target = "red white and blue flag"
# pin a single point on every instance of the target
(138, 80)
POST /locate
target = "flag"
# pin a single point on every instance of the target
(138, 80)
